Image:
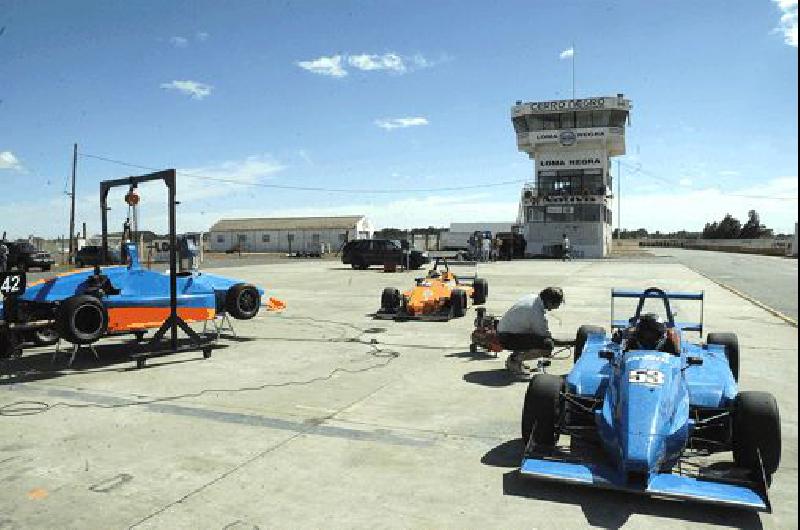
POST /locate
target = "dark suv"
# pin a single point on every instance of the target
(23, 255)
(91, 255)
(362, 253)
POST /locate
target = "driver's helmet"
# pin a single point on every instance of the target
(434, 274)
(649, 331)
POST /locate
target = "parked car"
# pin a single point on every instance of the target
(91, 255)
(361, 253)
(23, 255)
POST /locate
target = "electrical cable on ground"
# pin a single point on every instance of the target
(31, 407)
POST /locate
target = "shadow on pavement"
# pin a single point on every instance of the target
(605, 508)
(498, 377)
(41, 365)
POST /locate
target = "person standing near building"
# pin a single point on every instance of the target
(486, 244)
(565, 248)
(3, 257)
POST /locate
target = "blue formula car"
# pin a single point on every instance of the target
(642, 406)
(83, 306)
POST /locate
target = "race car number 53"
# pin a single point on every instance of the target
(646, 377)
(12, 283)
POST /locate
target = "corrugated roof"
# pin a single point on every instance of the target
(287, 223)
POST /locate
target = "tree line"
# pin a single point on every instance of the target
(728, 228)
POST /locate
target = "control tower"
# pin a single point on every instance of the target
(571, 142)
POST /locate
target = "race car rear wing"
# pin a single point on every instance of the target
(470, 269)
(654, 292)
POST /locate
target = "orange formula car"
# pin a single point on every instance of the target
(439, 296)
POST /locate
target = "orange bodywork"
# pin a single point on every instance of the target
(433, 294)
(134, 318)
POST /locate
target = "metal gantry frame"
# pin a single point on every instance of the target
(174, 321)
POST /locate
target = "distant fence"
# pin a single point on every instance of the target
(767, 246)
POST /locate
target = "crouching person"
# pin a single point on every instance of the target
(525, 331)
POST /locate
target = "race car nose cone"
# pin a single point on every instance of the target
(641, 453)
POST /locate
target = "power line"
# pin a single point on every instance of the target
(308, 188)
(638, 169)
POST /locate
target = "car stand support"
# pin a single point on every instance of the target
(155, 347)
(220, 324)
(74, 353)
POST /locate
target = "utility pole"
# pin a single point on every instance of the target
(619, 201)
(72, 206)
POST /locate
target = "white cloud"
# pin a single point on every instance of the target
(401, 123)
(334, 65)
(569, 53)
(9, 161)
(685, 182)
(190, 88)
(411, 212)
(388, 61)
(729, 173)
(657, 210)
(202, 35)
(330, 66)
(788, 22)
(178, 41)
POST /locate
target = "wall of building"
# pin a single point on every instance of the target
(588, 240)
(287, 240)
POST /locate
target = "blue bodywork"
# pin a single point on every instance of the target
(645, 407)
(134, 287)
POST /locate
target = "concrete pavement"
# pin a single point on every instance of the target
(303, 422)
(771, 280)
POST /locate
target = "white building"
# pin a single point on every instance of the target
(287, 234)
(571, 142)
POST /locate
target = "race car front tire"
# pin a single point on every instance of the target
(82, 319)
(458, 302)
(756, 430)
(242, 301)
(390, 300)
(480, 291)
(731, 344)
(542, 410)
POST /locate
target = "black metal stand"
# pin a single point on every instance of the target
(173, 322)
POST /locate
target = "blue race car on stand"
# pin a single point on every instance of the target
(83, 306)
(642, 405)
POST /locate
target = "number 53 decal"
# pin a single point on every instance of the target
(12, 283)
(646, 377)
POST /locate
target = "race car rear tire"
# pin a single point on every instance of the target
(82, 319)
(242, 301)
(756, 428)
(731, 343)
(542, 410)
(581, 337)
(458, 302)
(390, 300)
(480, 291)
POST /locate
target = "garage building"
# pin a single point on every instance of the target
(287, 234)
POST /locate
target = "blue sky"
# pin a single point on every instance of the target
(391, 94)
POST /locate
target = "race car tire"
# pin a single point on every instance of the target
(581, 337)
(731, 343)
(82, 319)
(480, 291)
(44, 336)
(242, 301)
(542, 410)
(458, 302)
(756, 429)
(390, 300)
